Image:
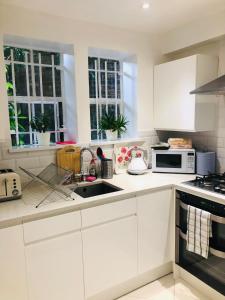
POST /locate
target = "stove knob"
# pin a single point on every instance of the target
(15, 192)
(223, 190)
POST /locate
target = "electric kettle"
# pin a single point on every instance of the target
(137, 165)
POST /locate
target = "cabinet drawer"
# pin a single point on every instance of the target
(52, 226)
(108, 212)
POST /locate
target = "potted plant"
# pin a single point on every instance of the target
(40, 124)
(113, 126)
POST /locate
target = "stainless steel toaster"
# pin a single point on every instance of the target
(10, 185)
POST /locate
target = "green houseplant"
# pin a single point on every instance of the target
(40, 124)
(113, 126)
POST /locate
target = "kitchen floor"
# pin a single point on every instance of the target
(165, 288)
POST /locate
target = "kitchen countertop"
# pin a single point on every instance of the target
(22, 210)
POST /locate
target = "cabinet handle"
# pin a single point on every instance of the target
(214, 218)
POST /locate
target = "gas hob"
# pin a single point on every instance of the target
(213, 182)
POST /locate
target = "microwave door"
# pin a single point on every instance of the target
(169, 161)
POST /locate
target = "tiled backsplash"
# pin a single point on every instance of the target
(211, 141)
(36, 161)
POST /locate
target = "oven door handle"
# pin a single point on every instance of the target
(213, 251)
(214, 218)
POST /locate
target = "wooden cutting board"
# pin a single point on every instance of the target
(69, 158)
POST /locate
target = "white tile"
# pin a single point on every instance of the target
(28, 163)
(184, 291)
(7, 164)
(165, 288)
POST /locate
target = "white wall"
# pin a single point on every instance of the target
(200, 31)
(24, 23)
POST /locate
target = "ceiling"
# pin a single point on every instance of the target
(162, 16)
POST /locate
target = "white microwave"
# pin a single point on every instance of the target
(173, 161)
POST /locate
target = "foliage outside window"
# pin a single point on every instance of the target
(34, 87)
(105, 91)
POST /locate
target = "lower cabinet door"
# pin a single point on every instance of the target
(155, 227)
(12, 264)
(55, 269)
(110, 254)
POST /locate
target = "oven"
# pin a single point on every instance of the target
(210, 270)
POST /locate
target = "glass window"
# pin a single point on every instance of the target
(34, 87)
(104, 91)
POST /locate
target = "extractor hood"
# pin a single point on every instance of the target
(214, 87)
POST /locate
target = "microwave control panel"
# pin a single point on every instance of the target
(191, 160)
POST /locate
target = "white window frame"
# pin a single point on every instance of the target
(31, 100)
(99, 101)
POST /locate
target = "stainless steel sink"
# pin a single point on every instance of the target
(95, 189)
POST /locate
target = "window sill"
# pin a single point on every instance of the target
(29, 148)
(119, 141)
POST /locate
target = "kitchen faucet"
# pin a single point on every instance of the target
(82, 159)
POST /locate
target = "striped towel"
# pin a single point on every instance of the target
(199, 230)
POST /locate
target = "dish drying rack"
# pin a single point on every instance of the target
(54, 177)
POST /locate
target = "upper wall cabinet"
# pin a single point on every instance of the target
(174, 108)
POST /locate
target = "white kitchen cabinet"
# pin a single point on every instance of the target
(155, 229)
(110, 247)
(174, 107)
(54, 258)
(12, 264)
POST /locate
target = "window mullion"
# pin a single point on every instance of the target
(115, 76)
(100, 91)
(106, 86)
(121, 89)
(54, 95)
(41, 83)
(97, 91)
(28, 95)
(14, 96)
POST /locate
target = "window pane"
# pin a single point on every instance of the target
(92, 85)
(30, 80)
(58, 91)
(111, 85)
(118, 109)
(112, 109)
(52, 138)
(23, 117)
(91, 62)
(103, 92)
(24, 139)
(37, 80)
(57, 59)
(49, 110)
(93, 115)
(13, 139)
(111, 64)
(103, 110)
(36, 56)
(9, 84)
(20, 80)
(20, 54)
(102, 63)
(118, 87)
(47, 82)
(94, 135)
(61, 115)
(117, 65)
(36, 109)
(12, 121)
(46, 58)
(7, 52)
